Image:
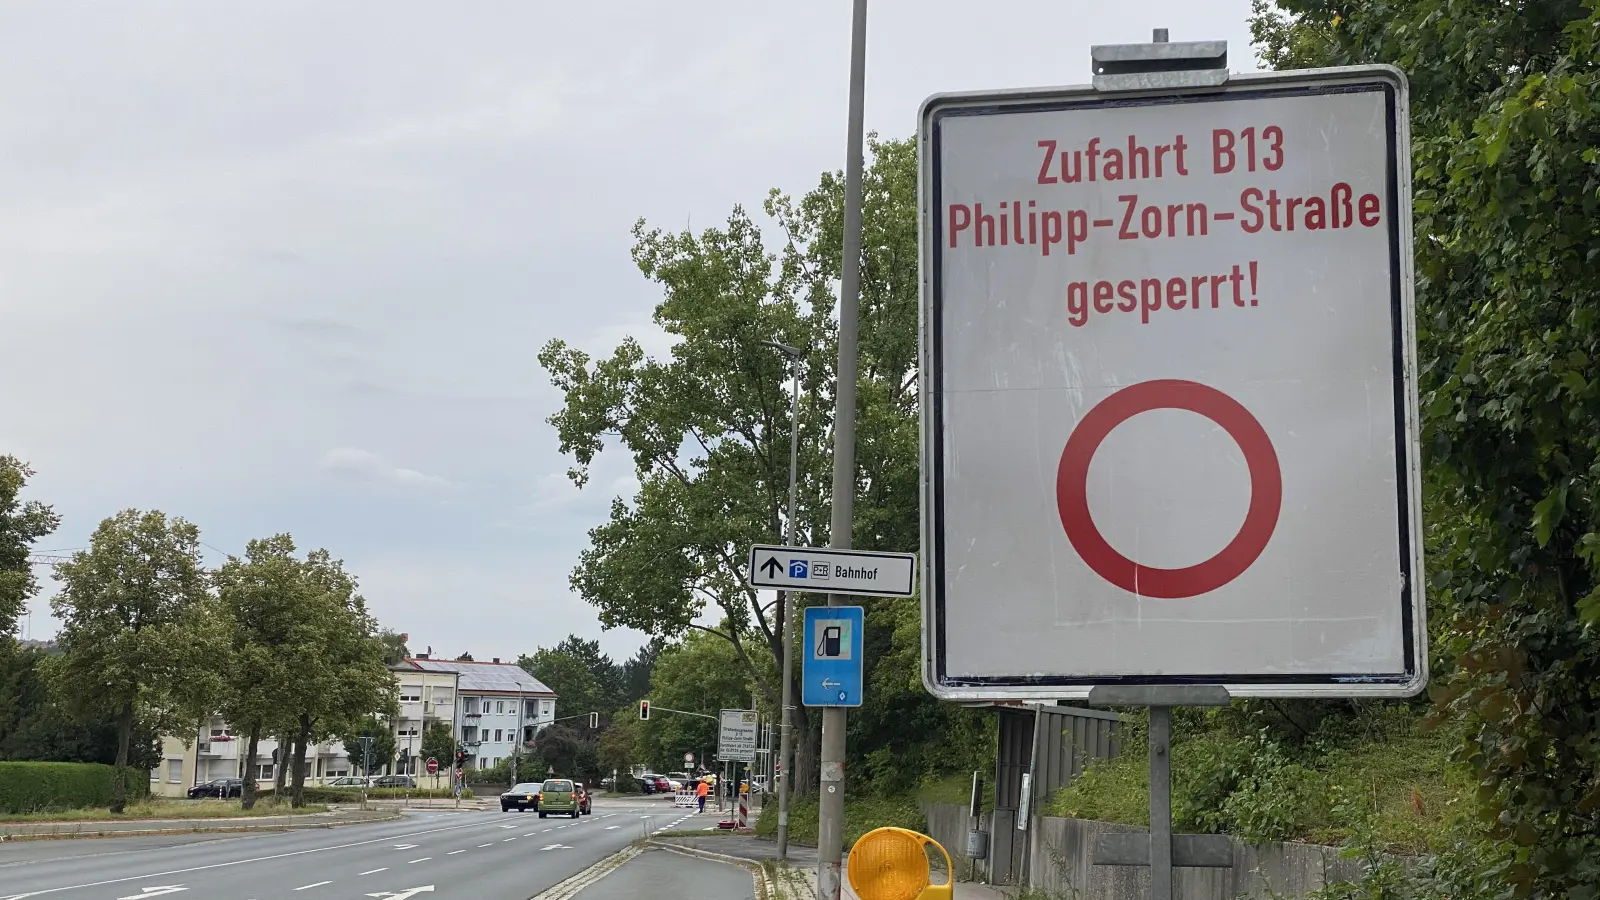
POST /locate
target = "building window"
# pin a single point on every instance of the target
(410, 694)
(155, 774)
(499, 706)
(174, 771)
(444, 695)
(497, 736)
(549, 707)
(264, 771)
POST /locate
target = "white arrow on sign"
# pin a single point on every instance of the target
(831, 684)
(402, 895)
(155, 891)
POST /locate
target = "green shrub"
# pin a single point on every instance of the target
(27, 787)
(316, 794)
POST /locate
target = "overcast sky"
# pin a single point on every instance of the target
(284, 266)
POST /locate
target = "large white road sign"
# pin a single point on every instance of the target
(1168, 402)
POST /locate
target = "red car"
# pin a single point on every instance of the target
(663, 786)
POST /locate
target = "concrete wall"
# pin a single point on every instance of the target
(1060, 860)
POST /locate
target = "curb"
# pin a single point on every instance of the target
(155, 832)
(570, 886)
(765, 888)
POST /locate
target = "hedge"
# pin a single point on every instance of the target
(317, 794)
(27, 787)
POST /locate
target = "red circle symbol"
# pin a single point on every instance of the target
(1266, 489)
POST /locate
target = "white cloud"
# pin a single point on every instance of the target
(354, 462)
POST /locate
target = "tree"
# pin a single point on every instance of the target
(617, 747)
(340, 674)
(676, 549)
(439, 742)
(395, 650)
(1505, 128)
(33, 726)
(607, 674)
(138, 632)
(636, 671)
(700, 675)
(576, 689)
(20, 525)
(383, 743)
(271, 614)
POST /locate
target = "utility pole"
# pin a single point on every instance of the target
(830, 813)
(786, 742)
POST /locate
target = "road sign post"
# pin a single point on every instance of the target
(433, 766)
(841, 525)
(1208, 335)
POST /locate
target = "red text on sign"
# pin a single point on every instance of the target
(1148, 296)
(1103, 162)
(1339, 210)
(1227, 148)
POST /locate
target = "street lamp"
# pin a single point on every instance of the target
(786, 741)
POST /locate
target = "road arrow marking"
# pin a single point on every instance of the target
(610, 827)
(513, 826)
(150, 891)
(555, 847)
(411, 846)
(402, 895)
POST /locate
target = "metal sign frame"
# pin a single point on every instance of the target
(1410, 605)
(727, 752)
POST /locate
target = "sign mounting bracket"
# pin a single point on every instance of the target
(1160, 65)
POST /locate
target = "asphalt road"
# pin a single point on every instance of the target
(657, 874)
(432, 855)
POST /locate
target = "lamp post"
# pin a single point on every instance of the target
(786, 740)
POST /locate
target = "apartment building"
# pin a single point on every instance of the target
(501, 707)
(492, 707)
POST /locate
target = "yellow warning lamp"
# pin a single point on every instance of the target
(892, 864)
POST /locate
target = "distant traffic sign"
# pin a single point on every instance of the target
(736, 739)
(433, 765)
(825, 571)
(831, 665)
(1169, 410)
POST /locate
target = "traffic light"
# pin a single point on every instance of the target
(594, 720)
(644, 710)
(461, 758)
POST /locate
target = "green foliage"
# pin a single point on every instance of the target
(861, 815)
(577, 690)
(1507, 191)
(317, 794)
(27, 787)
(33, 726)
(1379, 781)
(383, 744)
(395, 650)
(702, 674)
(139, 634)
(439, 743)
(20, 525)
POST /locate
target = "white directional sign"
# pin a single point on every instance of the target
(825, 571)
(1169, 417)
(736, 739)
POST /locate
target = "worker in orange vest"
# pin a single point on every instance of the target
(700, 793)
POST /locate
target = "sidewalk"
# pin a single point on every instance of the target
(89, 828)
(802, 860)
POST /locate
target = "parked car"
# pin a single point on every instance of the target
(521, 797)
(583, 796)
(679, 779)
(557, 797)
(663, 785)
(221, 788)
(394, 781)
(350, 781)
(647, 783)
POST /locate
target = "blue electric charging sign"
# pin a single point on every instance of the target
(830, 656)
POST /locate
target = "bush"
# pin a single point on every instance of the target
(27, 787)
(316, 794)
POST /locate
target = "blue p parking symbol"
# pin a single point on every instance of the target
(797, 568)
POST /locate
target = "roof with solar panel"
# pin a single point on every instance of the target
(486, 677)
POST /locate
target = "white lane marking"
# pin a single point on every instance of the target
(454, 852)
(508, 826)
(529, 833)
(373, 871)
(509, 839)
(555, 847)
(391, 895)
(481, 846)
(253, 859)
(420, 859)
(612, 827)
(154, 891)
(405, 846)
(314, 884)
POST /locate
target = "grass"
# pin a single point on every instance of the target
(162, 809)
(861, 815)
(1392, 788)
